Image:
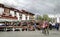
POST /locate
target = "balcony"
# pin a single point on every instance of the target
(9, 16)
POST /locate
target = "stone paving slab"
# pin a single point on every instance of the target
(52, 33)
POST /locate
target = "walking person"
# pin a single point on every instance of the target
(45, 27)
(35, 25)
(57, 26)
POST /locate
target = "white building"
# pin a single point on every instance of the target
(56, 17)
(12, 14)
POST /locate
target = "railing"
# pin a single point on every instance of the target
(8, 16)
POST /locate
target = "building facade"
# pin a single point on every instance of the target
(56, 18)
(12, 14)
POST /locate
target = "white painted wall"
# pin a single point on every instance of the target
(1, 10)
(58, 19)
(28, 17)
(23, 17)
(17, 14)
(12, 13)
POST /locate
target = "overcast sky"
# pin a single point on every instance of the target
(35, 6)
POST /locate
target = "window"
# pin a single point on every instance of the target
(15, 13)
(20, 16)
(26, 17)
(6, 10)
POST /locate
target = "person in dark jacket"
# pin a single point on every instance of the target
(50, 26)
(57, 26)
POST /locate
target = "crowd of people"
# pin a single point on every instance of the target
(54, 26)
(45, 26)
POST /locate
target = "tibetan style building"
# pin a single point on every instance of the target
(12, 14)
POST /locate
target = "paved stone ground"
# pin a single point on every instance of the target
(52, 33)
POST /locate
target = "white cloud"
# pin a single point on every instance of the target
(35, 6)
